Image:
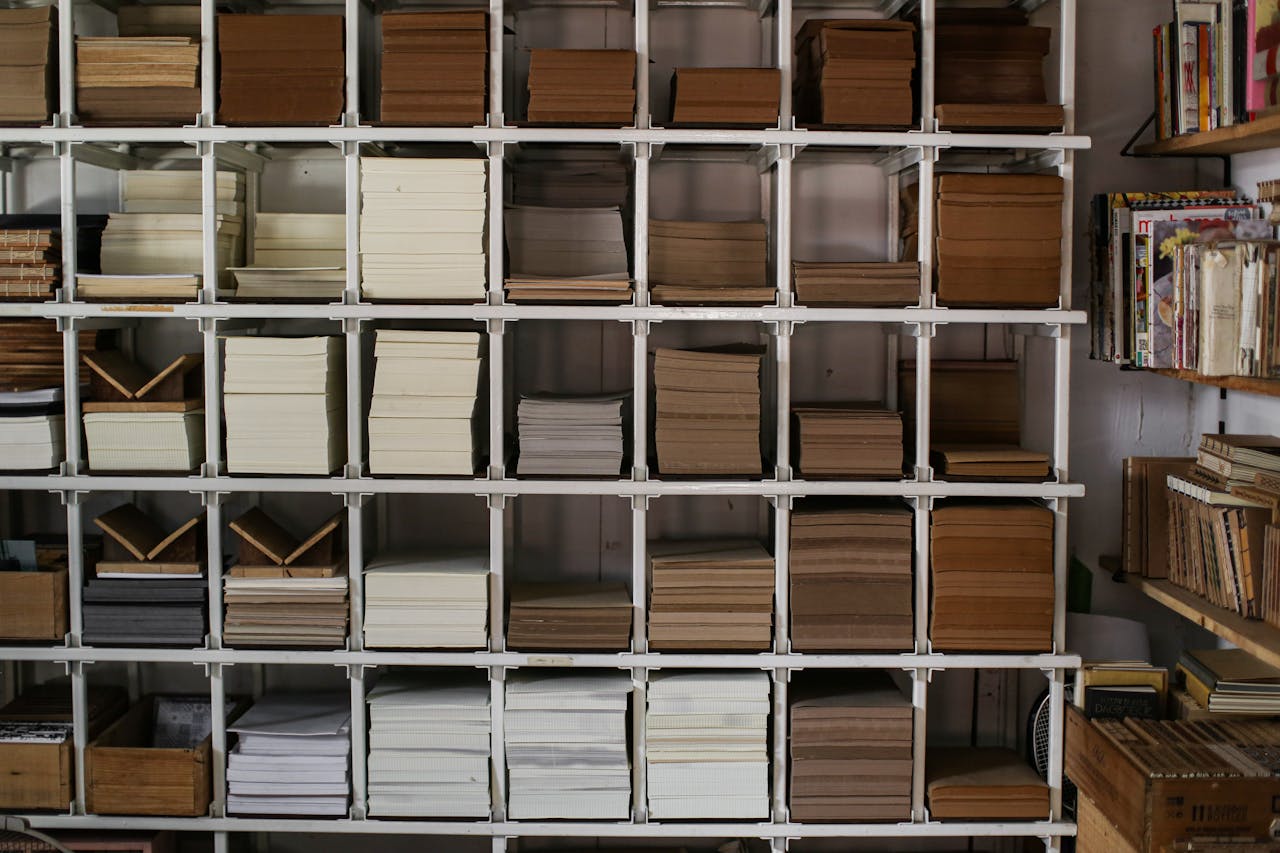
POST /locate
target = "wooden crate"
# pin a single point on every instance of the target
(35, 776)
(33, 605)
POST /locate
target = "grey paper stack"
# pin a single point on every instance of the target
(571, 435)
(145, 612)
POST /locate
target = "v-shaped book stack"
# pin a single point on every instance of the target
(869, 283)
(280, 69)
(565, 253)
(28, 69)
(569, 616)
(434, 67)
(582, 86)
(708, 410)
(571, 435)
(859, 439)
(710, 594)
(437, 602)
(855, 73)
(139, 421)
(708, 262)
(726, 97)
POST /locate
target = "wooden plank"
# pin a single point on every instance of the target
(1257, 638)
(1266, 387)
(1236, 139)
(96, 406)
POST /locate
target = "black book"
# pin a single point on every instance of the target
(1118, 701)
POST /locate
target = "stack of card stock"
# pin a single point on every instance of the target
(429, 602)
(569, 616)
(710, 594)
(285, 611)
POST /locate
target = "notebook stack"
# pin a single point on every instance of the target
(566, 740)
(280, 69)
(424, 397)
(296, 256)
(422, 229)
(974, 462)
(1224, 462)
(139, 420)
(708, 262)
(586, 176)
(983, 783)
(29, 73)
(848, 440)
(435, 67)
(708, 410)
(139, 79)
(577, 436)
(284, 400)
(582, 87)
(569, 616)
(855, 73)
(564, 253)
(999, 240)
(992, 585)
(726, 97)
(705, 745)
(850, 749)
(429, 746)
(294, 612)
(438, 602)
(710, 594)
(851, 587)
(292, 756)
(144, 611)
(865, 284)
(32, 430)
(30, 261)
(1230, 681)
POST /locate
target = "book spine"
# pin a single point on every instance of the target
(1204, 85)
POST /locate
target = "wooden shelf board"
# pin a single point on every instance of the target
(1266, 387)
(1255, 637)
(1236, 139)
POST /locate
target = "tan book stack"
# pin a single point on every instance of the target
(855, 73)
(28, 67)
(983, 783)
(594, 87)
(142, 78)
(30, 263)
(851, 577)
(708, 410)
(859, 439)
(708, 262)
(976, 462)
(31, 354)
(710, 594)
(569, 617)
(435, 68)
(863, 284)
(281, 69)
(725, 97)
(992, 577)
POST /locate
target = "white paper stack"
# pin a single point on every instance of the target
(571, 435)
(32, 430)
(285, 405)
(144, 441)
(296, 256)
(293, 756)
(424, 395)
(437, 602)
(429, 746)
(705, 745)
(422, 228)
(566, 740)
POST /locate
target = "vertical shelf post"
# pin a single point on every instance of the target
(359, 744)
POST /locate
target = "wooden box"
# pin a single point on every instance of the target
(33, 605)
(35, 776)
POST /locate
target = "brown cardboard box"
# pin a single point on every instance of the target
(33, 605)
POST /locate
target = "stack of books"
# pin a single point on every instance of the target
(973, 462)
(1144, 530)
(429, 746)
(435, 68)
(292, 756)
(855, 73)
(30, 262)
(438, 602)
(285, 405)
(285, 611)
(28, 79)
(424, 396)
(708, 410)
(137, 420)
(850, 749)
(726, 97)
(422, 229)
(705, 745)
(983, 783)
(32, 430)
(585, 176)
(1230, 681)
(579, 436)
(710, 594)
(848, 440)
(295, 256)
(280, 69)
(851, 587)
(143, 79)
(708, 262)
(868, 284)
(992, 577)
(566, 740)
(563, 253)
(582, 87)
(569, 616)
(1226, 461)
(31, 354)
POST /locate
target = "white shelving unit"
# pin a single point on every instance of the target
(902, 157)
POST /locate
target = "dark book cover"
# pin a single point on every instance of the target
(1115, 702)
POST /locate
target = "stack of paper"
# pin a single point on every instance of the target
(992, 567)
(863, 284)
(567, 253)
(569, 617)
(963, 462)
(710, 594)
(1231, 681)
(30, 260)
(855, 73)
(571, 435)
(280, 69)
(284, 400)
(708, 410)
(983, 783)
(422, 228)
(582, 86)
(144, 440)
(32, 430)
(566, 741)
(438, 602)
(850, 749)
(851, 577)
(424, 397)
(429, 746)
(708, 262)
(292, 757)
(143, 79)
(173, 191)
(295, 256)
(434, 67)
(705, 745)
(144, 610)
(590, 176)
(857, 439)
(726, 97)
(28, 91)
(285, 611)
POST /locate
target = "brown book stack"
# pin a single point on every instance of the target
(569, 617)
(992, 566)
(725, 97)
(31, 354)
(708, 410)
(855, 73)
(990, 72)
(851, 577)
(143, 77)
(999, 240)
(28, 69)
(435, 68)
(850, 749)
(281, 69)
(970, 402)
(708, 262)
(30, 263)
(983, 783)
(582, 87)
(974, 462)
(710, 594)
(858, 439)
(871, 284)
